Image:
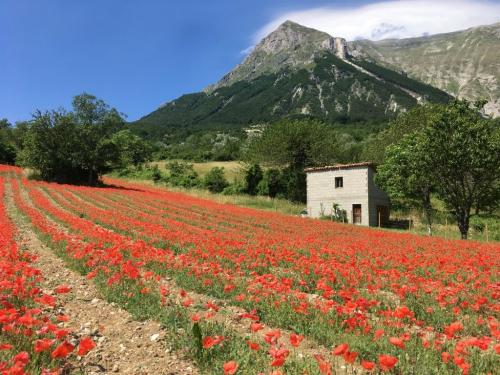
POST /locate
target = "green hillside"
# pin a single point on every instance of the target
(331, 90)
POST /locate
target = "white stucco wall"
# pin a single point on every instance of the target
(359, 188)
(321, 191)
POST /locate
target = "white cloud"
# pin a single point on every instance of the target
(247, 50)
(392, 19)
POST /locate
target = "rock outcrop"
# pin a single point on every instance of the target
(465, 63)
(290, 46)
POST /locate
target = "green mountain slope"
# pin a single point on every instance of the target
(465, 63)
(293, 72)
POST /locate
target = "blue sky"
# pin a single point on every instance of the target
(137, 55)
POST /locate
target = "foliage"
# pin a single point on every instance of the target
(182, 174)
(253, 176)
(455, 151)
(272, 183)
(295, 145)
(465, 149)
(428, 92)
(406, 173)
(73, 146)
(215, 180)
(406, 123)
(132, 149)
(7, 148)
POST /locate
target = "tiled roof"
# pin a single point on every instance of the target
(340, 166)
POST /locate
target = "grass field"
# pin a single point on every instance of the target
(232, 169)
(245, 291)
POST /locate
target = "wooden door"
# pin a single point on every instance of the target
(356, 214)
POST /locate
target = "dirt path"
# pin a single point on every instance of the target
(124, 346)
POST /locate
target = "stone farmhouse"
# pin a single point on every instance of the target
(347, 190)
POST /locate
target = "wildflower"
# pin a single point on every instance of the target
(86, 345)
(230, 367)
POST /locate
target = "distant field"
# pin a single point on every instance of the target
(232, 169)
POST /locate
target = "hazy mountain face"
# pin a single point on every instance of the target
(465, 64)
(295, 72)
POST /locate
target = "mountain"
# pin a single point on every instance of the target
(293, 72)
(465, 64)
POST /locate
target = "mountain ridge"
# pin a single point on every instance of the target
(295, 71)
(464, 63)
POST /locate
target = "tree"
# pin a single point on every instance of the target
(271, 183)
(409, 122)
(456, 154)
(405, 174)
(295, 145)
(7, 148)
(465, 150)
(133, 150)
(253, 175)
(96, 123)
(73, 146)
(215, 180)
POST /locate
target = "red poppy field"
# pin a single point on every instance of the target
(242, 291)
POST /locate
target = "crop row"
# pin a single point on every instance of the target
(31, 338)
(383, 300)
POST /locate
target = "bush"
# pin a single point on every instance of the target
(215, 180)
(236, 188)
(271, 184)
(253, 175)
(182, 174)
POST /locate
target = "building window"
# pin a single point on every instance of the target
(339, 182)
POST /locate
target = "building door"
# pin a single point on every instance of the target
(356, 214)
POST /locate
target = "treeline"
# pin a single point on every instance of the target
(76, 146)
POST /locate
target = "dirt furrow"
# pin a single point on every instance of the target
(124, 346)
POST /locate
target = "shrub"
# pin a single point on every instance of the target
(253, 175)
(215, 180)
(182, 174)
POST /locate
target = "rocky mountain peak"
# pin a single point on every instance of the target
(291, 45)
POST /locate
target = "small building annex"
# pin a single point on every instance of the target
(348, 187)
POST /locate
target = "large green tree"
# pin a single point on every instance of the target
(294, 145)
(465, 150)
(409, 122)
(73, 146)
(456, 153)
(405, 174)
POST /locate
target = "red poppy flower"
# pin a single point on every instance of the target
(43, 345)
(230, 367)
(340, 349)
(367, 365)
(210, 341)
(63, 350)
(61, 289)
(387, 362)
(350, 357)
(396, 341)
(295, 339)
(256, 327)
(86, 345)
(253, 345)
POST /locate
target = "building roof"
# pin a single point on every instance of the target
(340, 166)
